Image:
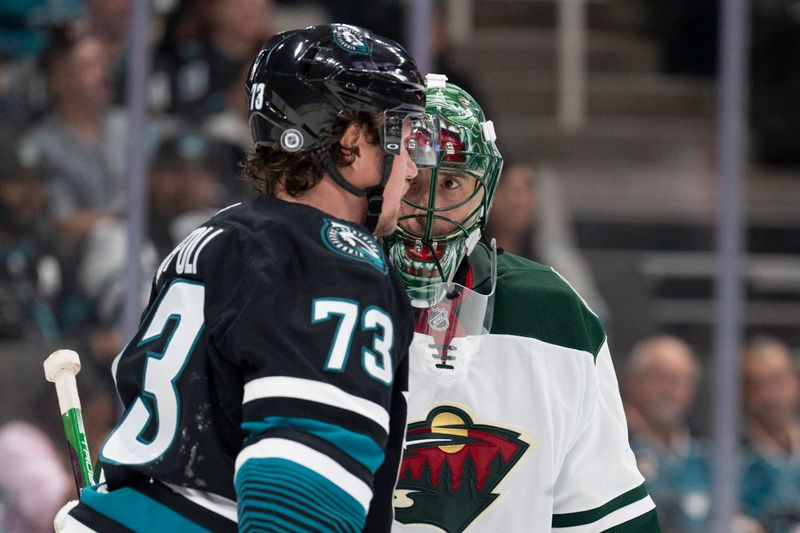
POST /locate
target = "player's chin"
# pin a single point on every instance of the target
(385, 228)
(386, 225)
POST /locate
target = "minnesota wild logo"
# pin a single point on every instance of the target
(450, 468)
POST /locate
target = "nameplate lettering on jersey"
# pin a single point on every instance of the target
(187, 253)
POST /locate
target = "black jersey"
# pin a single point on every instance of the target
(265, 382)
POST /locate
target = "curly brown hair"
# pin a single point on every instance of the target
(270, 169)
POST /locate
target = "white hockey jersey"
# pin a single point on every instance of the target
(523, 429)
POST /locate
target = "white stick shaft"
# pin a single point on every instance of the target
(67, 391)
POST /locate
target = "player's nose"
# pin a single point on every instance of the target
(415, 223)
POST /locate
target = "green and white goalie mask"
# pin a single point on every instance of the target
(446, 207)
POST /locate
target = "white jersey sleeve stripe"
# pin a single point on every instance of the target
(311, 459)
(314, 391)
(620, 516)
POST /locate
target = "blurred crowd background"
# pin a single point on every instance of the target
(623, 206)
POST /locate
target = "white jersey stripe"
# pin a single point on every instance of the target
(213, 502)
(620, 516)
(311, 459)
(315, 391)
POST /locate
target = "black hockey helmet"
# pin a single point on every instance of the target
(302, 80)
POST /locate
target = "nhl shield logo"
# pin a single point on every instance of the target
(351, 38)
(353, 243)
(450, 467)
(438, 319)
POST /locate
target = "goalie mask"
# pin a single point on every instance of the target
(446, 207)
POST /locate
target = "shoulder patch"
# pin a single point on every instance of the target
(353, 243)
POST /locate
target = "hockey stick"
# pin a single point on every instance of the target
(60, 368)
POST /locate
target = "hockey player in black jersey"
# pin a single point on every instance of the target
(264, 390)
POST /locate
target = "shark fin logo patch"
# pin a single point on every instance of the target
(450, 468)
(353, 243)
(351, 38)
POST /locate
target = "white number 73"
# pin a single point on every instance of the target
(377, 361)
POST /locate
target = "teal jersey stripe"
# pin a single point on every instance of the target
(273, 510)
(646, 523)
(331, 500)
(136, 511)
(286, 496)
(592, 515)
(264, 486)
(260, 480)
(360, 447)
(291, 507)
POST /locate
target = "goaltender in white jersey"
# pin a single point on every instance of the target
(515, 417)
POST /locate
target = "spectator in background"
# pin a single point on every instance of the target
(82, 140)
(25, 26)
(109, 21)
(25, 29)
(513, 221)
(29, 273)
(231, 123)
(771, 475)
(229, 132)
(529, 218)
(206, 43)
(33, 481)
(660, 380)
(184, 189)
(30, 276)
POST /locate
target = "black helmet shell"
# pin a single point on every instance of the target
(301, 80)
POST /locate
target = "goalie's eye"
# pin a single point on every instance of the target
(450, 183)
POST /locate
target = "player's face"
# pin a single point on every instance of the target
(453, 200)
(404, 170)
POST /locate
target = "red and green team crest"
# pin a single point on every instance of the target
(450, 468)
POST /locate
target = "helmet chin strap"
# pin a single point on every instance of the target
(374, 194)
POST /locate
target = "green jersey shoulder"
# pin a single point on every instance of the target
(533, 300)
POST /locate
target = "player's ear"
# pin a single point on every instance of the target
(351, 137)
